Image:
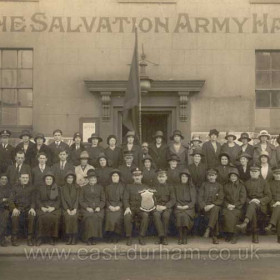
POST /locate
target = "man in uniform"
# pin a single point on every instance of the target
(127, 168)
(134, 209)
(165, 200)
(258, 198)
(7, 151)
(23, 213)
(26, 146)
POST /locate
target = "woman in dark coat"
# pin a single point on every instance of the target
(48, 210)
(184, 211)
(103, 171)
(95, 149)
(266, 172)
(231, 148)
(92, 202)
(40, 147)
(113, 153)
(234, 200)
(114, 207)
(70, 203)
(173, 170)
(75, 149)
(149, 173)
(223, 168)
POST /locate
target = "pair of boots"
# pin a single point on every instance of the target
(182, 238)
(231, 237)
(214, 236)
(112, 237)
(162, 240)
(72, 239)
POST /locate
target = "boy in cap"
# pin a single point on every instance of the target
(26, 146)
(56, 146)
(212, 149)
(275, 202)
(7, 151)
(165, 200)
(258, 198)
(133, 207)
(75, 149)
(158, 150)
(210, 199)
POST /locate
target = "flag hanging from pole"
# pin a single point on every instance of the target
(131, 98)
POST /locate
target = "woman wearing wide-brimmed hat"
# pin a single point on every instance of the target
(82, 169)
(178, 148)
(246, 147)
(212, 149)
(114, 207)
(231, 148)
(173, 170)
(244, 166)
(103, 171)
(40, 147)
(223, 168)
(76, 148)
(234, 200)
(158, 150)
(95, 149)
(185, 195)
(70, 202)
(113, 152)
(149, 172)
(266, 172)
(48, 203)
(265, 145)
(92, 203)
(26, 146)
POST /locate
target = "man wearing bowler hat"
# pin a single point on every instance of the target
(57, 145)
(212, 149)
(7, 151)
(158, 150)
(26, 146)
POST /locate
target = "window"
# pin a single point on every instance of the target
(16, 87)
(268, 79)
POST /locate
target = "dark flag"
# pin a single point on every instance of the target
(131, 98)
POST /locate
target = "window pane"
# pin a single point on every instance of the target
(25, 78)
(25, 97)
(9, 97)
(9, 78)
(9, 59)
(9, 116)
(275, 60)
(24, 116)
(262, 79)
(262, 99)
(276, 79)
(275, 98)
(25, 59)
(262, 60)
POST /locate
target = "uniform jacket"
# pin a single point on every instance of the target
(275, 191)
(23, 197)
(164, 195)
(149, 177)
(55, 150)
(59, 173)
(37, 175)
(5, 193)
(198, 174)
(211, 157)
(7, 156)
(173, 176)
(235, 194)
(159, 155)
(13, 174)
(70, 196)
(126, 175)
(81, 174)
(29, 153)
(92, 196)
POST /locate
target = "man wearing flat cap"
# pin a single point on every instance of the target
(26, 146)
(158, 150)
(7, 151)
(56, 146)
(212, 149)
(258, 198)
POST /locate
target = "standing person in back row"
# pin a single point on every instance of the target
(57, 146)
(7, 151)
(231, 148)
(212, 149)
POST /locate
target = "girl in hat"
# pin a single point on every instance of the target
(244, 166)
(113, 152)
(92, 203)
(185, 195)
(70, 202)
(95, 149)
(75, 149)
(114, 207)
(173, 170)
(82, 169)
(223, 168)
(231, 148)
(26, 146)
(149, 173)
(246, 147)
(40, 147)
(103, 171)
(234, 200)
(264, 145)
(48, 210)
(266, 172)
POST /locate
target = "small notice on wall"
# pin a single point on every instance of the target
(88, 129)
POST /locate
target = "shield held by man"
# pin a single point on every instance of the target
(147, 200)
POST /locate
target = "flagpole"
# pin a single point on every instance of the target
(139, 91)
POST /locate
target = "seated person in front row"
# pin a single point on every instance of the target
(258, 197)
(185, 195)
(137, 207)
(23, 209)
(165, 201)
(275, 202)
(234, 200)
(210, 200)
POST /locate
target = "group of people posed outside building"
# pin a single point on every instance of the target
(91, 192)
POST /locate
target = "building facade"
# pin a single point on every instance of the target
(210, 64)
